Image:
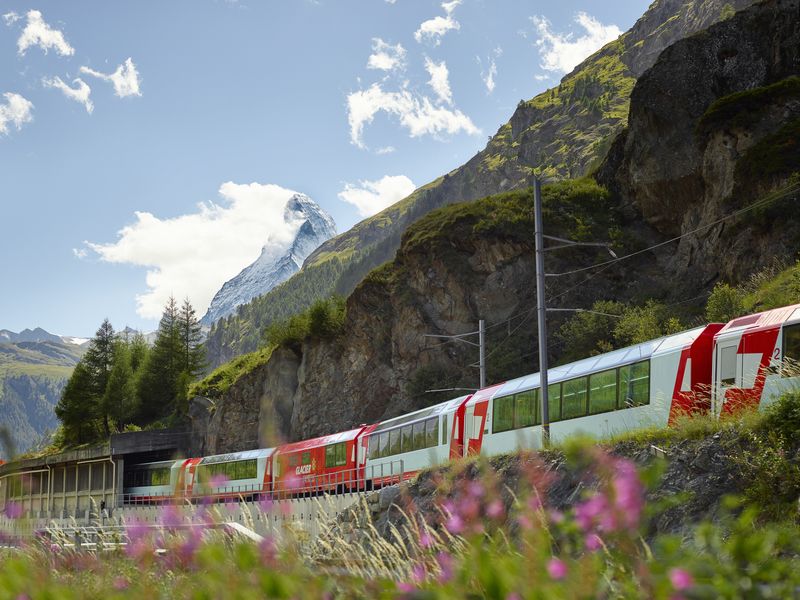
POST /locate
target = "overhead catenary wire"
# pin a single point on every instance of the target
(777, 195)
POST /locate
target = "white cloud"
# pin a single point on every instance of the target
(488, 76)
(80, 252)
(125, 79)
(386, 57)
(439, 81)
(563, 52)
(371, 197)
(194, 254)
(10, 18)
(385, 150)
(416, 113)
(16, 111)
(434, 29)
(80, 94)
(39, 33)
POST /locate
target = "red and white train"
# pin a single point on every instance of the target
(717, 368)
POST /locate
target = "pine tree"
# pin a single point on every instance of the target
(77, 414)
(119, 400)
(98, 360)
(192, 354)
(157, 387)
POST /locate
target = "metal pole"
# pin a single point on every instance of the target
(542, 311)
(482, 349)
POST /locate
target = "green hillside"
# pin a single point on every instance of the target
(32, 376)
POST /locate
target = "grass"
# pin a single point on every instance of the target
(746, 108)
(221, 379)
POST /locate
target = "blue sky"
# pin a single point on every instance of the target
(146, 147)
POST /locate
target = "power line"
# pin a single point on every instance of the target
(766, 200)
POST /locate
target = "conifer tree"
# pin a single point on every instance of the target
(98, 360)
(119, 400)
(162, 367)
(77, 415)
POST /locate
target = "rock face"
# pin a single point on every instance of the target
(564, 132)
(381, 365)
(685, 162)
(275, 264)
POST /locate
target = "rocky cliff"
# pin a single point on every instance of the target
(563, 132)
(276, 263)
(474, 260)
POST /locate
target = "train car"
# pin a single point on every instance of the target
(756, 359)
(398, 448)
(151, 483)
(246, 474)
(331, 463)
(649, 384)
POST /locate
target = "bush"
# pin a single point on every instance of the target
(725, 303)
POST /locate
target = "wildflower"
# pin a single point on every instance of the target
(556, 516)
(170, 516)
(218, 481)
(121, 584)
(495, 510)
(595, 509)
(681, 579)
(406, 588)
(455, 524)
(425, 539)
(55, 548)
(268, 551)
(628, 492)
(593, 542)
(525, 522)
(418, 573)
(475, 489)
(13, 510)
(513, 596)
(445, 562)
(266, 503)
(556, 568)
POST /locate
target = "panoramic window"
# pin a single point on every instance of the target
(503, 415)
(634, 384)
(573, 398)
(791, 351)
(603, 392)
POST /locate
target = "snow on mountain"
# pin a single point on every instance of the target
(277, 262)
(27, 335)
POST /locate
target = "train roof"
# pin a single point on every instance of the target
(325, 440)
(484, 394)
(763, 320)
(419, 415)
(609, 360)
(235, 456)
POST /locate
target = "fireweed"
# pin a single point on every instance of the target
(466, 535)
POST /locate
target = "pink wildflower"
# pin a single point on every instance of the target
(425, 539)
(495, 510)
(556, 568)
(455, 524)
(475, 489)
(170, 516)
(525, 522)
(445, 562)
(13, 510)
(418, 573)
(404, 587)
(121, 584)
(681, 579)
(593, 542)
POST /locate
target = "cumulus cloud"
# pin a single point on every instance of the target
(125, 79)
(39, 33)
(371, 197)
(15, 111)
(440, 80)
(434, 29)
(80, 93)
(415, 112)
(386, 57)
(194, 254)
(563, 52)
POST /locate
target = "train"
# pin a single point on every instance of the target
(717, 368)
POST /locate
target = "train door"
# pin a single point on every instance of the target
(727, 371)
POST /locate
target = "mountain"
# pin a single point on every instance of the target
(28, 335)
(563, 132)
(275, 265)
(712, 131)
(32, 377)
